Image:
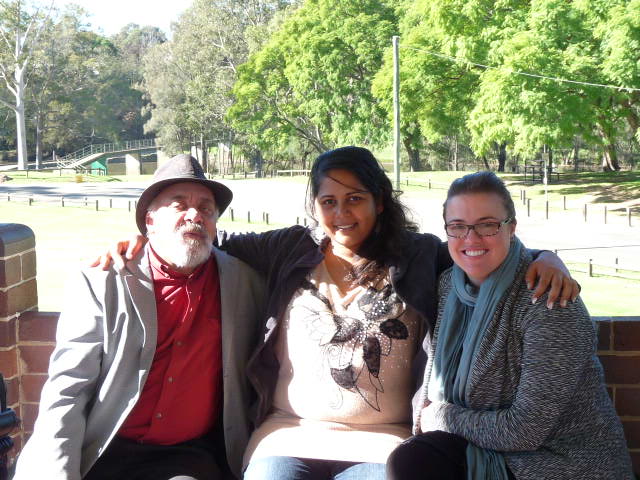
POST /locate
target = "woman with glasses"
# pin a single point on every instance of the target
(511, 389)
(351, 302)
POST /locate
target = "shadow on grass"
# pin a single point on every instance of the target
(605, 187)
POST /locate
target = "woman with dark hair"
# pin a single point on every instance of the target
(511, 389)
(352, 302)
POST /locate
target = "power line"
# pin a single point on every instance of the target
(514, 72)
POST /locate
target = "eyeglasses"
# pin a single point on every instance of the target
(484, 229)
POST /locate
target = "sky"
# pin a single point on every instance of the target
(110, 16)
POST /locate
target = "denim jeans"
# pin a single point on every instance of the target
(292, 468)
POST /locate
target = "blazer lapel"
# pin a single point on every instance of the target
(228, 278)
(138, 280)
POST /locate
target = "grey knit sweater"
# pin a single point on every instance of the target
(537, 391)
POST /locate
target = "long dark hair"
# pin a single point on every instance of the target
(386, 240)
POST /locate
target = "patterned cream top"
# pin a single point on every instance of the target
(344, 385)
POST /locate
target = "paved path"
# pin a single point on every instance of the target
(284, 200)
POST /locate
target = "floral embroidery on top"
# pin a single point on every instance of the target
(373, 332)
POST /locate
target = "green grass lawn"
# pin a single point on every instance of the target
(68, 238)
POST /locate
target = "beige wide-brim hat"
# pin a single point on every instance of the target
(181, 168)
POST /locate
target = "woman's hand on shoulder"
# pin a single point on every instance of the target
(549, 273)
(120, 253)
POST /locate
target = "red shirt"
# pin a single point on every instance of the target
(181, 397)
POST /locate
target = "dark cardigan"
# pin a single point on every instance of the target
(286, 257)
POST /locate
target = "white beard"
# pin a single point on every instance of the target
(183, 253)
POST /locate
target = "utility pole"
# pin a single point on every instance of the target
(396, 113)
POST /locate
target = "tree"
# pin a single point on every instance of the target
(20, 30)
(189, 79)
(435, 94)
(133, 43)
(312, 80)
(449, 90)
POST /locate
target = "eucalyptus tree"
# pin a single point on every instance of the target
(21, 24)
(189, 78)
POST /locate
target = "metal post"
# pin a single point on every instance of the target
(62, 201)
(564, 202)
(96, 205)
(591, 267)
(267, 218)
(524, 197)
(585, 212)
(111, 203)
(616, 264)
(546, 209)
(528, 207)
(248, 217)
(605, 214)
(396, 112)
(629, 216)
(231, 212)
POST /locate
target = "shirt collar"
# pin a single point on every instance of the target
(161, 270)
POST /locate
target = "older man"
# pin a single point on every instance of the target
(147, 379)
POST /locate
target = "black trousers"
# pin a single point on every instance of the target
(198, 459)
(430, 456)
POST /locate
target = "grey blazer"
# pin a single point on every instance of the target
(105, 343)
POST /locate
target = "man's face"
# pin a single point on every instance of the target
(181, 225)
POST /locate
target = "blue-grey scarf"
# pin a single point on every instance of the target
(462, 328)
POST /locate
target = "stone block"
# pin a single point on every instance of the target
(29, 416)
(32, 387)
(628, 401)
(37, 326)
(28, 265)
(35, 358)
(632, 432)
(15, 239)
(604, 335)
(9, 362)
(626, 334)
(621, 370)
(635, 460)
(133, 163)
(19, 298)
(10, 271)
(13, 391)
(8, 333)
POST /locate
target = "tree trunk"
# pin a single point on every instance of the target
(610, 158)
(205, 155)
(38, 141)
(502, 156)
(486, 163)
(576, 155)
(609, 154)
(414, 154)
(21, 130)
(456, 167)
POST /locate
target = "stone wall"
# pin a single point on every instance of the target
(18, 294)
(619, 352)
